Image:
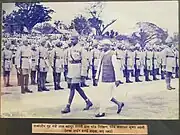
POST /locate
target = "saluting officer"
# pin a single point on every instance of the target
(138, 64)
(34, 64)
(76, 70)
(169, 55)
(24, 56)
(7, 64)
(57, 63)
(43, 66)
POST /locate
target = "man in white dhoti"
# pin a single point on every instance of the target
(108, 73)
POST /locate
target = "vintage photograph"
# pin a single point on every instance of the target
(90, 60)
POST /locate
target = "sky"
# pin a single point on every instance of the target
(162, 13)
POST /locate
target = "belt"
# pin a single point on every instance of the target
(137, 58)
(25, 57)
(119, 58)
(154, 58)
(75, 61)
(42, 58)
(148, 59)
(33, 59)
(7, 59)
(170, 56)
(58, 57)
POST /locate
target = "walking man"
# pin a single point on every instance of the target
(108, 74)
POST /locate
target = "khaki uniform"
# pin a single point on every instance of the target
(7, 60)
(120, 55)
(149, 56)
(77, 66)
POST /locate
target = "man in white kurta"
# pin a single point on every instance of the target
(108, 74)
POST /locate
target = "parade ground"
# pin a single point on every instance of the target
(144, 100)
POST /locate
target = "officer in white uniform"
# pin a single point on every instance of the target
(24, 56)
(76, 70)
(7, 64)
(137, 62)
(129, 63)
(57, 64)
(155, 63)
(34, 64)
(148, 62)
(108, 74)
(120, 55)
(169, 57)
(96, 54)
(177, 62)
(43, 66)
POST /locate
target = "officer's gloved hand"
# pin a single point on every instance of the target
(37, 67)
(117, 83)
(16, 66)
(19, 70)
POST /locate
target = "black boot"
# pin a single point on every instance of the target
(88, 105)
(100, 115)
(66, 110)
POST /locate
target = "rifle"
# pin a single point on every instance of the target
(38, 69)
(125, 71)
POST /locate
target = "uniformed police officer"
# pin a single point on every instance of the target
(120, 55)
(129, 63)
(148, 62)
(169, 55)
(137, 62)
(24, 56)
(7, 64)
(76, 70)
(57, 63)
(154, 63)
(163, 64)
(34, 64)
(43, 66)
(96, 54)
(177, 62)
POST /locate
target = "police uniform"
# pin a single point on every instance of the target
(148, 63)
(129, 63)
(24, 56)
(43, 66)
(34, 65)
(120, 55)
(177, 63)
(57, 63)
(137, 63)
(169, 57)
(76, 69)
(96, 54)
(155, 64)
(7, 64)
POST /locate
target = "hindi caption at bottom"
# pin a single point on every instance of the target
(89, 129)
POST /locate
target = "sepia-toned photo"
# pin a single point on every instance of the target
(90, 60)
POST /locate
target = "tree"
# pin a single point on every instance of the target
(81, 25)
(95, 11)
(148, 32)
(27, 16)
(84, 25)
